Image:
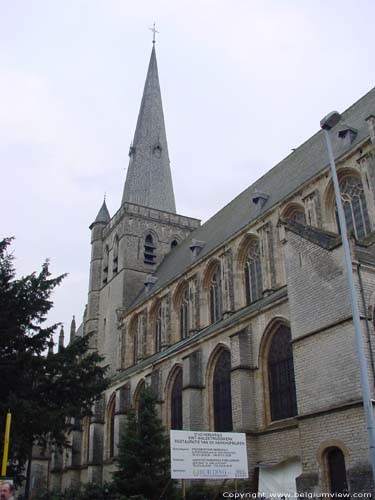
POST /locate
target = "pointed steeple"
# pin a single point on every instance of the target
(149, 181)
(103, 216)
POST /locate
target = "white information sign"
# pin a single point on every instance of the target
(208, 455)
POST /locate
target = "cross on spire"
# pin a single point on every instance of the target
(154, 31)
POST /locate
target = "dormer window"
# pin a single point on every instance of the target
(149, 250)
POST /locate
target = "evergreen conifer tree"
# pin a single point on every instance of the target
(44, 392)
(143, 460)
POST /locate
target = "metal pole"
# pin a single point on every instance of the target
(366, 393)
(6, 444)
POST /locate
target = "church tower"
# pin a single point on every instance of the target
(127, 248)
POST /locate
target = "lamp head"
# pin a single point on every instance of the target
(330, 120)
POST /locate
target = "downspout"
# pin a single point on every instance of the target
(366, 321)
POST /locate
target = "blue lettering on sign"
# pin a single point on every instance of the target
(210, 472)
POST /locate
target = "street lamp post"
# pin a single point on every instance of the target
(326, 124)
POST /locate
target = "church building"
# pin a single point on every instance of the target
(242, 323)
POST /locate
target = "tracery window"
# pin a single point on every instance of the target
(176, 402)
(184, 313)
(282, 388)
(115, 254)
(158, 328)
(222, 394)
(149, 250)
(215, 295)
(355, 207)
(335, 463)
(253, 273)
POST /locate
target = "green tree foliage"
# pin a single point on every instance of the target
(143, 460)
(43, 392)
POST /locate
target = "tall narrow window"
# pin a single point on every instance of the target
(253, 273)
(158, 328)
(115, 254)
(184, 313)
(149, 250)
(282, 388)
(336, 471)
(105, 264)
(135, 340)
(85, 440)
(215, 295)
(355, 207)
(222, 394)
(111, 428)
(176, 402)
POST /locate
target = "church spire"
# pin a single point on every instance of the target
(149, 181)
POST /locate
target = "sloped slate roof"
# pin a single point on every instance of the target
(281, 181)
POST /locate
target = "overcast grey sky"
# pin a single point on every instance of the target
(243, 82)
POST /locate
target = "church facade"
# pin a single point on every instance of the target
(242, 323)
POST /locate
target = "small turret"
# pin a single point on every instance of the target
(72, 329)
(61, 338)
(50, 347)
(103, 216)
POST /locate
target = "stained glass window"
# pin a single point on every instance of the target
(176, 402)
(282, 389)
(222, 394)
(355, 207)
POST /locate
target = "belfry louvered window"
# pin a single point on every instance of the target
(184, 313)
(355, 207)
(215, 295)
(282, 388)
(176, 402)
(149, 250)
(253, 273)
(222, 394)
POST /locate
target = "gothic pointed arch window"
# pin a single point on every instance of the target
(253, 273)
(355, 206)
(149, 250)
(336, 470)
(222, 395)
(184, 312)
(111, 427)
(176, 402)
(158, 328)
(215, 296)
(115, 254)
(281, 381)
